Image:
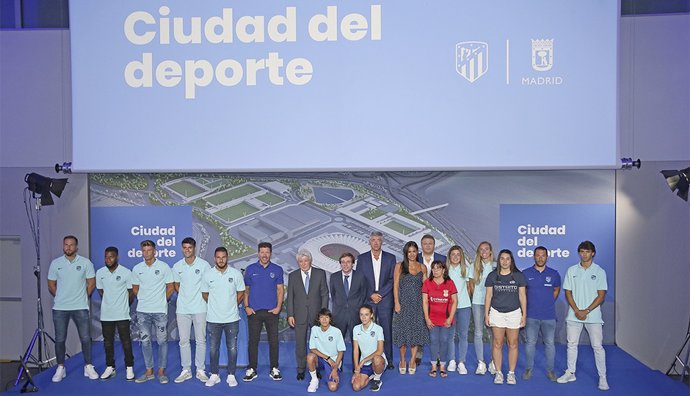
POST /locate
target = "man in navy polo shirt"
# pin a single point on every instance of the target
(543, 286)
(263, 300)
(71, 280)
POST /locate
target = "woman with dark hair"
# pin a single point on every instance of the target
(505, 312)
(409, 328)
(439, 299)
(367, 352)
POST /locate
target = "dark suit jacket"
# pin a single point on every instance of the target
(385, 286)
(437, 256)
(346, 308)
(302, 306)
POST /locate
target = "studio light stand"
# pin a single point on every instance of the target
(37, 353)
(678, 360)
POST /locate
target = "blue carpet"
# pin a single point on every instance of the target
(626, 376)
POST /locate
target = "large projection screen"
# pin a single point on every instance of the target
(175, 85)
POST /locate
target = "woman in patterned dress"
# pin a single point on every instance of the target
(409, 327)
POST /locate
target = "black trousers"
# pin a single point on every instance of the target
(109, 341)
(263, 318)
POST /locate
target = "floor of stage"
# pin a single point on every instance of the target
(626, 376)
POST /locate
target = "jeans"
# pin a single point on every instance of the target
(461, 327)
(439, 344)
(61, 322)
(548, 332)
(478, 316)
(109, 341)
(257, 321)
(184, 327)
(596, 336)
(214, 332)
(160, 320)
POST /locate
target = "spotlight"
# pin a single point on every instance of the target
(628, 163)
(42, 187)
(678, 180)
(66, 167)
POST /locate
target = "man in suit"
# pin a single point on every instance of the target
(349, 291)
(307, 295)
(428, 255)
(378, 267)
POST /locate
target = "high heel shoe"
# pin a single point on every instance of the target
(411, 370)
(402, 369)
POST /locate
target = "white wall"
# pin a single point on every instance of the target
(653, 235)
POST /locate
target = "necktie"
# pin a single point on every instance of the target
(306, 282)
(347, 285)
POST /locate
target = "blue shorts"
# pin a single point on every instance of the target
(323, 366)
(367, 370)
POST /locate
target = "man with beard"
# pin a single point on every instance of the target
(114, 284)
(71, 280)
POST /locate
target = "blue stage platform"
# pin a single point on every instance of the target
(626, 376)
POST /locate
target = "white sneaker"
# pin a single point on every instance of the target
(566, 377)
(184, 376)
(108, 373)
(201, 375)
(492, 368)
(461, 368)
(130, 373)
(481, 368)
(451, 365)
(603, 384)
(510, 378)
(498, 378)
(212, 380)
(313, 385)
(60, 373)
(231, 380)
(90, 372)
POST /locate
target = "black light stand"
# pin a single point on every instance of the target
(678, 360)
(39, 189)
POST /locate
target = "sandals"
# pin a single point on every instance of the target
(444, 373)
(432, 373)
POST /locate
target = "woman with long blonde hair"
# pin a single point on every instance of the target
(483, 264)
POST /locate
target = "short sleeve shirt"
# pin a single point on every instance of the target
(368, 339)
(440, 299)
(115, 286)
(152, 280)
(540, 302)
(479, 294)
(222, 288)
(263, 283)
(505, 297)
(71, 279)
(190, 277)
(455, 273)
(328, 342)
(584, 285)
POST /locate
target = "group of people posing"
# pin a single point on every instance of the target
(426, 299)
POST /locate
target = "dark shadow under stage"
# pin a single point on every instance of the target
(626, 376)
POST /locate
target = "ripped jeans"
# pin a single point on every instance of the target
(159, 323)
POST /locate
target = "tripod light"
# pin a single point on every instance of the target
(678, 180)
(42, 187)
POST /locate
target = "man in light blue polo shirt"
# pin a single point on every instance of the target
(71, 279)
(188, 276)
(543, 286)
(114, 284)
(223, 289)
(152, 283)
(585, 289)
